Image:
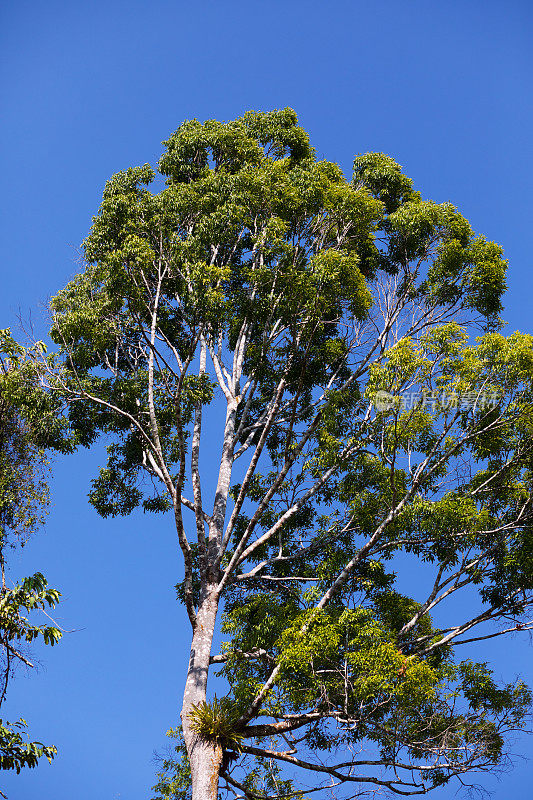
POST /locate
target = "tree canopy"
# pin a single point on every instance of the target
(344, 339)
(29, 425)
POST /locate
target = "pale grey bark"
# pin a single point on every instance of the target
(205, 758)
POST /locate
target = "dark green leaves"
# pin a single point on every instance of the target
(16, 752)
(30, 423)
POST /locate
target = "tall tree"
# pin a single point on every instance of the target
(28, 425)
(326, 326)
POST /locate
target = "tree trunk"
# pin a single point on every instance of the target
(205, 757)
(205, 768)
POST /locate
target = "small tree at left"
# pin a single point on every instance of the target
(29, 428)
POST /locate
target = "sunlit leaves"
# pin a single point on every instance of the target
(16, 752)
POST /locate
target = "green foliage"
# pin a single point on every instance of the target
(298, 298)
(29, 424)
(384, 179)
(22, 392)
(16, 752)
(31, 595)
(257, 173)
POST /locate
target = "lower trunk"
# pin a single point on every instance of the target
(205, 757)
(205, 769)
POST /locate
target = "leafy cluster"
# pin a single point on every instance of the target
(29, 425)
(16, 752)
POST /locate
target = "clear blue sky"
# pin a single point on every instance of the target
(89, 88)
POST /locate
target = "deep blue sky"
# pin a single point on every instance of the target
(91, 88)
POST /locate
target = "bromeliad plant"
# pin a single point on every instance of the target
(217, 722)
(263, 288)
